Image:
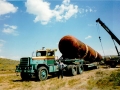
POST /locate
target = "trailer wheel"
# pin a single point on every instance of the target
(96, 67)
(85, 67)
(80, 69)
(42, 73)
(74, 70)
(68, 69)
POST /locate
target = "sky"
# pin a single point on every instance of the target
(29, 25)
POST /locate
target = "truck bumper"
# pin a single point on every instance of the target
(24, 69)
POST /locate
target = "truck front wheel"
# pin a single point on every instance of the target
(25, 76)
(42, 73)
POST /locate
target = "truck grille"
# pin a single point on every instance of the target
(24, 62)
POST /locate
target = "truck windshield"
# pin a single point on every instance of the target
(41, 53)
(50, 54)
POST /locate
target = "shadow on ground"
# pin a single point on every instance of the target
(66, 74)
(107, 66)
(32, 79)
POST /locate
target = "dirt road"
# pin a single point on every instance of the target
(79, 82)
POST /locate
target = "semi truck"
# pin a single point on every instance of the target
(45, 64)
(40, 66)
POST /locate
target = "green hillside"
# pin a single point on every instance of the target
(8, 64)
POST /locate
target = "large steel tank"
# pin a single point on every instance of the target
(71, 48)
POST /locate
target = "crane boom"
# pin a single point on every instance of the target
(110, 33)
(108, 30)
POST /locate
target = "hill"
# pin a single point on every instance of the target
(8, 64)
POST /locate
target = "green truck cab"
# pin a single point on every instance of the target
(40, 66)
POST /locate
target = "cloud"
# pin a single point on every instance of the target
(6, 7)
(88, 37)
(7, 16)
(11, 57)
(10, 29)
(41, 9)
(2, 42)
(65, 10)
(84, 10)
(109, 51)
(2, 57)
(14, 57)
(3, 17)
(91, 25)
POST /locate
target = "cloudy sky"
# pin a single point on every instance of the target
(28, 25)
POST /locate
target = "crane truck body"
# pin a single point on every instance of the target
(112, 62)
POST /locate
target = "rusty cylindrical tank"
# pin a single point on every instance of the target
(71, 48)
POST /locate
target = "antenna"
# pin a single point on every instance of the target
(32, 53)
(34, 49)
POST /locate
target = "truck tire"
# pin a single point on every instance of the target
(68, 69)
(42, 73)
(96, 66)
(74, 70)
(113, 64)
(25, 76)
(85, 67)
(80, 69)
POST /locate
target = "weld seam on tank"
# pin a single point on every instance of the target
(96, 54)
(86, 51)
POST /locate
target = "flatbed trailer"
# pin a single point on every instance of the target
(77, 66)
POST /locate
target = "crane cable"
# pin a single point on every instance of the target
(98, 30)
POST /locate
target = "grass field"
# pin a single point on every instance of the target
(98, 79)
(7, 65)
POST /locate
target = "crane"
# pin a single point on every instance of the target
(114, 38)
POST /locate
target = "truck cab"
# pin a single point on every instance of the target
(45, 54)
(40, 66)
